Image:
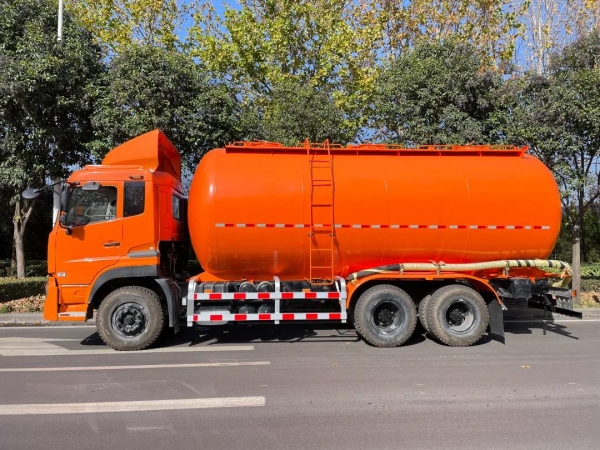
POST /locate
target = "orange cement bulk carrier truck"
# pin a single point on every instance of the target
(380, 236)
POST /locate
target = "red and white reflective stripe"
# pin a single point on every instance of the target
(384, 226)
(209, 317)
(267, 296)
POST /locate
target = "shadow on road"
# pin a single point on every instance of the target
(309, 333)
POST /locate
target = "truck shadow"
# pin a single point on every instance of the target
(311, 333)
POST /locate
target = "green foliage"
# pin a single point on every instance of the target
(296, 112)
(590, 285)
(15, 288)
(265, 43)
(435, 94)
(148, 87)
(117, 24)
(45, 93)
(590, 271)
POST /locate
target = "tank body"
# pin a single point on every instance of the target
(250, 211)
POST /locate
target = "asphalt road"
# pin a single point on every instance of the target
(297, 387)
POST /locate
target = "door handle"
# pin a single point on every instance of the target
(111, 244)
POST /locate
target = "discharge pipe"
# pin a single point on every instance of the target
(470, 267)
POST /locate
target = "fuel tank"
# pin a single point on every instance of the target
(260, 209)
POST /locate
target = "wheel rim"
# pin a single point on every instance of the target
(129, 320)
(387, 317)
(460, 316)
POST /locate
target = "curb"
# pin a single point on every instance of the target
(35, 319)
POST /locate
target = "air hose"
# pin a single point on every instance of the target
(470, 267)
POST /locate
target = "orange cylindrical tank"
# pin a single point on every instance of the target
(250, 209)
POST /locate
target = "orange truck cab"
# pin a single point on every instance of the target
(122, 226)
(380, 236)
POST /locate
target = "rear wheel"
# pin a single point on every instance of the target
(385, 316)
(423, 304)
(457, 315)
(131, 318)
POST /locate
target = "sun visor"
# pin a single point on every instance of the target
(152, 151)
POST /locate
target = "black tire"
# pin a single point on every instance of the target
(457, 315)
(131, 318)
(423, 304)
(385, 316)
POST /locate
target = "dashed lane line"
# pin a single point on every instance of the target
(57, 351)
(130, 406)
(141, 366)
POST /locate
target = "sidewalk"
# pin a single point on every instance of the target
(35, 319)
(519, 314)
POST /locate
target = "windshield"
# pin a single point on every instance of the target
(92, 206)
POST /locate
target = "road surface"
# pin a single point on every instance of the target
(300, 387)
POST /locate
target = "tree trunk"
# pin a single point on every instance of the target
(20, 220)
(576, 265)
(18, 241)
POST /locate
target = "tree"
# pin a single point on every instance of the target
(268, 42)
(147, 87)
(551, 24)
(119, 24)
(299, 112)
(45, 102)
(491, 26)
(558, 116)
(435, 94)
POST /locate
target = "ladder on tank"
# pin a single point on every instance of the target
(322, 226)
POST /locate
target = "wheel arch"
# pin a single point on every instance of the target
(422, 283)
(143, 276)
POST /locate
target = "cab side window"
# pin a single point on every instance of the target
(92, 206)
(135, 198)
(176, 202)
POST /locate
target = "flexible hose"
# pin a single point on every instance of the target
(470, 267)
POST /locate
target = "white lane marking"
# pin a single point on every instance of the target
(148, 405)
(43, 326)
(141, 366)
(107, 351)
(550, 321)
(31, 343)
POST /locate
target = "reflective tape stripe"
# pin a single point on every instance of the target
(208, 317)
(266, 296)
(383, 226)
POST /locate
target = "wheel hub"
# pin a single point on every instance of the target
(386, 317)
(460, 316)
(457, 317)
(129, 320)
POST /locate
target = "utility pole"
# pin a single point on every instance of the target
(57, 188)
(60, 21)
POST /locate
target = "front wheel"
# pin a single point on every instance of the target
(131, 318)
(385, 316)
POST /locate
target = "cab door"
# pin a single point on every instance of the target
(96, 233)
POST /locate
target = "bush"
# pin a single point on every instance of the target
(590, 271)
(34, 268)
(590, 285)
(14, 288)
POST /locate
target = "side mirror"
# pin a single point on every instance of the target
(62, 220)
(64, 198)
(31, 193)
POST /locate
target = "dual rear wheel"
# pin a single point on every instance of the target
(386, 316)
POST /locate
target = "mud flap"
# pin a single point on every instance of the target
(496, 321)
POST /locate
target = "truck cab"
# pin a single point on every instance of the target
(120, 237)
